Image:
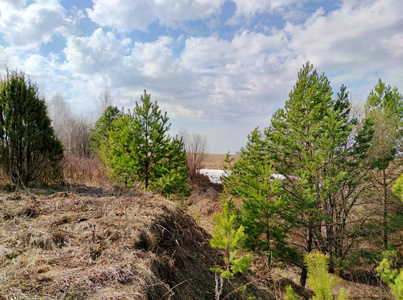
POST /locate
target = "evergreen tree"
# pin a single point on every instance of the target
(251, 158)
(102, 126)
(385, 107)
(118, 152)
(229, 238)
(295, 144)
(393, 278)
(310, 143)
(29, 150)
(262, 213)
(322, 283)
(138, 148)
(345, 177)
(397, 187)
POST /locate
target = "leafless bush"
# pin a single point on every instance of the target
(196, 147)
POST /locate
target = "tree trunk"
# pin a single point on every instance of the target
(385, 210)
(268, 243)
(309, 240)
(147, 171)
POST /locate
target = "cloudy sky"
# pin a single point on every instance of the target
(218, 67)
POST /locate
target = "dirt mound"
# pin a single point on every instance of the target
(69, 246)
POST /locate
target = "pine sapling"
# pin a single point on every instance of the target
(322, 283)
(393, 278)
(229, 238)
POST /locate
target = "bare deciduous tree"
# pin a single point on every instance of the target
(60, 114)
(80, 134)
(196, 147)
(73, 131)
(103, 101)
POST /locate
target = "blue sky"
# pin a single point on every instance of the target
(218, 67)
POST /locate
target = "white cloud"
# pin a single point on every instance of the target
(251, 7)
(95, 54)
(155, 60)
(352, 40)
(44, 71)
(248, 9)
(128, 15)
(212, 79)
(30, 26)
(345, 35)
(181, 112)
(235, 78)
(394, 46)
(11, 4)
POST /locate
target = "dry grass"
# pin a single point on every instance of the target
(216, 161)
(66, 245)
(205, 201)
(81, 245)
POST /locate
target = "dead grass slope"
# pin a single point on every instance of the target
(84, 245)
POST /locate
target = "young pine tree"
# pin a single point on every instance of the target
(251, 157)
(322, 283)
(263, 208)
(229, 238)
(138, 148)
(393, 278)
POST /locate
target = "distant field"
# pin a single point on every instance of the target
(216, 161)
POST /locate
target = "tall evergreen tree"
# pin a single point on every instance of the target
(138, 148)
(29, 149)
(295, 143)
(345, 177)
(385, 107)
(310, 144)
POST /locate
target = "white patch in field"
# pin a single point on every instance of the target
(216, 175)
(213, 175)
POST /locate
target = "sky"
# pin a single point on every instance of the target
(219, 68)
